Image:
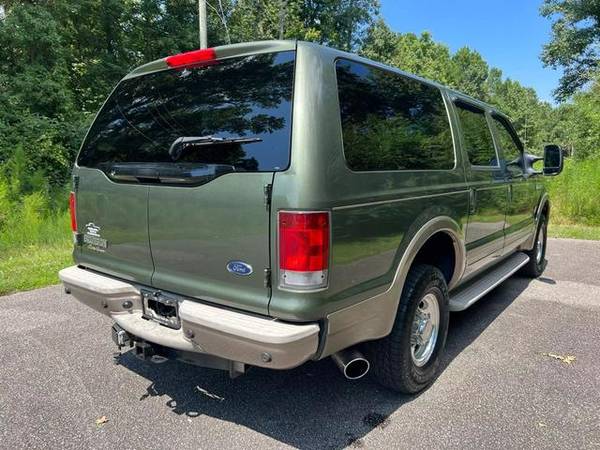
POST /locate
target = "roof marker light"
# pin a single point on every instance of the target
(193, 57)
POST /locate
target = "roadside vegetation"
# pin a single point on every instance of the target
(60, 59)
(575, 198)
(35, 236)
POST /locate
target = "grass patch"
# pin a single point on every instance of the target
(33, 266)
(575, 194)
(35, 235)
(574, 231)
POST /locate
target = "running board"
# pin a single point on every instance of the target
(474, 290)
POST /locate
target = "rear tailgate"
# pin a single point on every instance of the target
(203, 142)
(212, 242)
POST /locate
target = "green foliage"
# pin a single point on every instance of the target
(35, 237)
(575, 193)
(470, 73)
(59, 60)
(420, 55)
(575, 42)
(338, 23)
(31, 212)
(577, 125)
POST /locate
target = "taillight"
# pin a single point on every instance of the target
(72, 209)
(193, 57)
(303, 249)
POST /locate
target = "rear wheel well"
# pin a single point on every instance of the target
(439, 252)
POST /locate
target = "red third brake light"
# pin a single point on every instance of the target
(303, 249)
(193, 57)
(72, 209)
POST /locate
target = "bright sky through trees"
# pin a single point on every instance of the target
(508, 34)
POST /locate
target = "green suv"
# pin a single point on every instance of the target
(270, 203)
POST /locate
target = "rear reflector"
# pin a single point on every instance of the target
(195, 56)
(72, 210)
(303, 249)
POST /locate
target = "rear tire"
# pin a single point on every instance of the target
(407, 360)
(537, 255)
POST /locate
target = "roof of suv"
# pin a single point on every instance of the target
(250, 48)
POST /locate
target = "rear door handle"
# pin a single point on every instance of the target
(133, 174)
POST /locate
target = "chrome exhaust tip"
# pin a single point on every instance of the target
(352, 363)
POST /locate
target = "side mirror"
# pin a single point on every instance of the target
(553, 160)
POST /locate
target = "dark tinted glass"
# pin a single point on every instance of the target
(247, 97)
(510, 149)
(476, 136)
(552, 157)
(391, 122)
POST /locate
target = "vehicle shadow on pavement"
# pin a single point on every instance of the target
(312, 406)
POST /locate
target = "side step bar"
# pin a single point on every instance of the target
(465, 296)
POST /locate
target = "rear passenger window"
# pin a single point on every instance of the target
(477, 137)
(392, 122)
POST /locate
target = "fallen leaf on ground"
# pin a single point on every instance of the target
(568, 359)
(209, 395)
(100, 421)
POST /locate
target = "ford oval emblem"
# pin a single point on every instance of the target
(239, 268)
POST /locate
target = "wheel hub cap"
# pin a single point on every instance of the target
(425, 329)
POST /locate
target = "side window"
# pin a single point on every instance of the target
(511, 147)
(392, 122)
(477, 136)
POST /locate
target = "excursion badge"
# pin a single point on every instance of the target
(93, 239)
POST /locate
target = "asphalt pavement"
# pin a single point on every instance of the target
(503, 384)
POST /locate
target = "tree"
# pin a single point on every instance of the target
(575, 42)
(420, 55)
(528, 114)
(338, 23)
(577, 124)
(37, 108)
(470, 73)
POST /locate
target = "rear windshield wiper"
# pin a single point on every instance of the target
(181, 143)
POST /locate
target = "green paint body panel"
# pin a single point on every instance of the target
(195, 232)
(120, 210)
(180, 239)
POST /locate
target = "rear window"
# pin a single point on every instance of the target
(392, 122)
(234, 114)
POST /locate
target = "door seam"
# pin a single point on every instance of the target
(148, 234)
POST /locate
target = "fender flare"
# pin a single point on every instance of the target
(544, 200)
(439, 224)
(374, 317)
